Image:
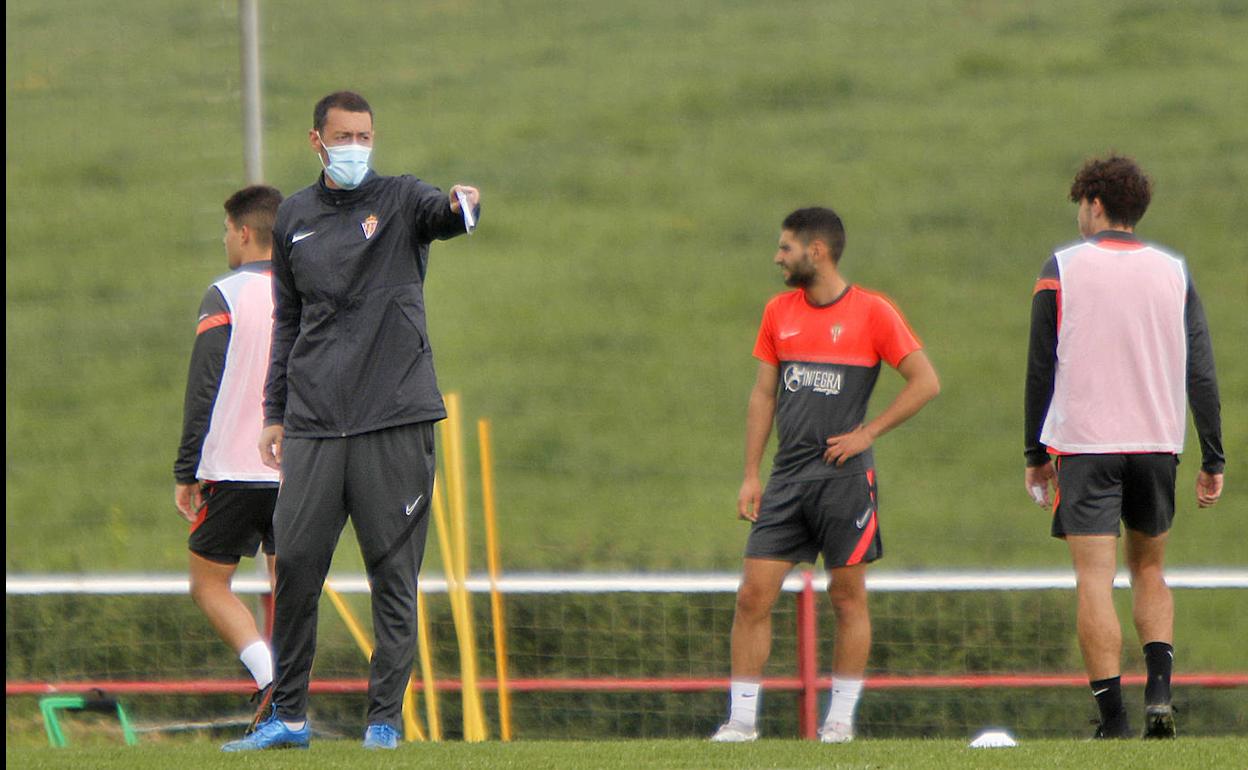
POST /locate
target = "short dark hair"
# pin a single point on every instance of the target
(255, 207)
(818, 222)
(342, 100)
(1120, 184)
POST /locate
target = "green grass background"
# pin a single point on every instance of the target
(636, 159)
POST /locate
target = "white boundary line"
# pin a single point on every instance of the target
(642, 582)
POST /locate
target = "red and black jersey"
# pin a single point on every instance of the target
(829, 358)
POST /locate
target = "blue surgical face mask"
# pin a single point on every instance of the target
(348, 164)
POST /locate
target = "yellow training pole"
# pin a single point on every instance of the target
(444, 541)
(410, 725)
(411, 728)
(495, 566)
(474, 716)
(357, 631)
(426, 668)
(456, 593)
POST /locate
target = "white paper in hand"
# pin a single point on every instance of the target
(1037, 493)
(994, 739)
(465, 208)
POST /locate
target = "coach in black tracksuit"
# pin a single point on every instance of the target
(351, 397)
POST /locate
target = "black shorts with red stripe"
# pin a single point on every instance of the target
(235, 520)
(836, 517)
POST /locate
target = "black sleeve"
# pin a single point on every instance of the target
(203, 382)
(1041, 363)
(1202, 385)
(434, 219)
(287, 310)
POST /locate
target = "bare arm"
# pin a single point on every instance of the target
(922, 385)
(758, 419)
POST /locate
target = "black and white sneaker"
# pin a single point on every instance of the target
(1117, 727)
(1159, 722)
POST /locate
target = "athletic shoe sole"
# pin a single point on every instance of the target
(1159, 723)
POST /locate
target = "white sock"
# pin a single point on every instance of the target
(744, 697)
(259, 661)
(845, 694)
(294, 726)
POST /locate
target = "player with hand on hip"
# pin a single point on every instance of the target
(819, 350)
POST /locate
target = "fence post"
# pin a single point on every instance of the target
(807, 665)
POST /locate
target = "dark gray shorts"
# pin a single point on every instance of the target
(836, 517)
(236, 519)
(1095, 492)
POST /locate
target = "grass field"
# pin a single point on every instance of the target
(636, 159)
(1191, 754)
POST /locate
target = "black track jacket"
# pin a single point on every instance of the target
(350, 350)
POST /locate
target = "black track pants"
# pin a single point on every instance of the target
(383, 481)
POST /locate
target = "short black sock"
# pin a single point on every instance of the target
(1108, 694)
(1159, 660)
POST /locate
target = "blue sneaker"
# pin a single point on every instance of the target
(272, 733)
(381, 736)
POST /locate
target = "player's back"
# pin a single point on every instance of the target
(1121, 350)
(229, 452)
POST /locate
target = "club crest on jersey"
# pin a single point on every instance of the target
(369, 226)
(835, 331)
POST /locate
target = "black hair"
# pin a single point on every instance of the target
(255, 207)
(342, 100)
(819, 223)
(1120, 184)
